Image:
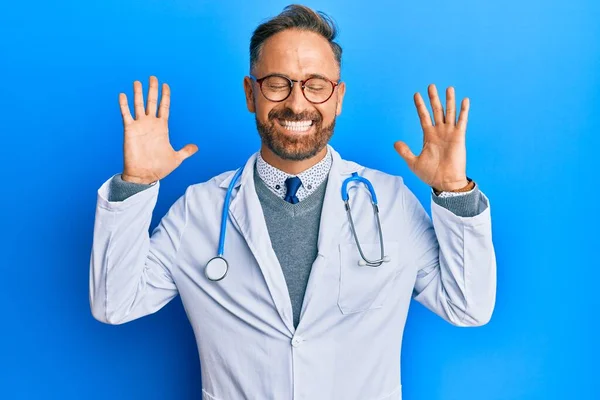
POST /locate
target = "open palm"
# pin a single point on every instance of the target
(147, 151)
(442, 162)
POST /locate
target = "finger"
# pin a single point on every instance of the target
(450, 106)
(422, 110)
(187, 151)
(165, 102)
(138, 99)
(125, 113)
(404, 151)
(436, 105)
(152, 97)
(464, 114)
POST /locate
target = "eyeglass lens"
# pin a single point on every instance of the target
(277, 88)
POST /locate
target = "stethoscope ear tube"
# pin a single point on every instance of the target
(376, 263)
(364, 260)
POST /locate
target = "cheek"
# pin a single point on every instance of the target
(327, 112)
(262, 111)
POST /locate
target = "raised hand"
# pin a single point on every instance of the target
(147, 152)
(443, 160)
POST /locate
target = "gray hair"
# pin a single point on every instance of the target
(300, 17)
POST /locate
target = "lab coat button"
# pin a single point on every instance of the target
(297, 341)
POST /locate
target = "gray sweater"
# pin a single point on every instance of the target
(294, 230)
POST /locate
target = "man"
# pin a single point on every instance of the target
(302, 312)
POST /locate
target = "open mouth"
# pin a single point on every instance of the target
(296, 126)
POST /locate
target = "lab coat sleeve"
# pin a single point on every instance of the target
(455, 261)
(130, 271)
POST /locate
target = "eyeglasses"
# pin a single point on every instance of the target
(278, 87)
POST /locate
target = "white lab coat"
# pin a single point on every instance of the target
(347, 345)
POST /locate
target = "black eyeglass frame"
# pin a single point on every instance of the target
(292, 81)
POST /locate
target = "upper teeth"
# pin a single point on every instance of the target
(296, 124)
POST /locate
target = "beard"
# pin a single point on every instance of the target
(295, 148)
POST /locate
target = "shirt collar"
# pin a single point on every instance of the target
(311, 178)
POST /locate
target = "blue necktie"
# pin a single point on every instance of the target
(292, 184)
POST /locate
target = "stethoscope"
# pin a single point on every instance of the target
(217, 267)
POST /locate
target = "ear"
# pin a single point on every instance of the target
(341, 89)
(248, 90)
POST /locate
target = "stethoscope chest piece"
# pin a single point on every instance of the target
(216, 268)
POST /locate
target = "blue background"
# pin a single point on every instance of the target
(530, 67)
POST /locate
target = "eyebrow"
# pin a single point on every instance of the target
(308, 77)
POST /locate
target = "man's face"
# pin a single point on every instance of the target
(295, 129)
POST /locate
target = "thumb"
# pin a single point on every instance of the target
(187, 151)
(404, 151)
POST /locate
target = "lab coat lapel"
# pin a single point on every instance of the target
(333, 221)
(246, 210)
(333, 214)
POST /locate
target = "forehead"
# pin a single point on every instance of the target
(297, 54)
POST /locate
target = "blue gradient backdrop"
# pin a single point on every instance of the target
(531, 69)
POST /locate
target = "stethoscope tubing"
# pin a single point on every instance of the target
(221, 249)
(345, 198)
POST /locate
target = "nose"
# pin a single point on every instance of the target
(296, 100)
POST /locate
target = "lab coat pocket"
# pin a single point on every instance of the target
(361, 287)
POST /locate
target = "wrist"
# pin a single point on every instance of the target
(133, 179)
(460, 186)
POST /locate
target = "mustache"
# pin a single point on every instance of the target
(289, 115)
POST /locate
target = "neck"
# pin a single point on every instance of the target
(291, 167)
